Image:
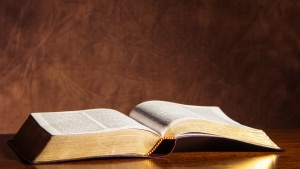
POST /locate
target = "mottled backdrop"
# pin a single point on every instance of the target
(241, 55)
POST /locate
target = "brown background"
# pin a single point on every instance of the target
(65, 55)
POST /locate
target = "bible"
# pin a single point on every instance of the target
(151, 129)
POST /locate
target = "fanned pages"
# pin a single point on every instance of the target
(152, 128)
(172, 119)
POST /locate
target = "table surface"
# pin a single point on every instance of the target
(289, 140)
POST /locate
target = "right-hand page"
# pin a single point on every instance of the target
(172, 119)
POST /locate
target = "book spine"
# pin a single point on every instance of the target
(163, 147)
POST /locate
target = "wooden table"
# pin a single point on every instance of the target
(286, 139)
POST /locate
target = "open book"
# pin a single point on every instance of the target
(152, 128)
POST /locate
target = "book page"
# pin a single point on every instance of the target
(159, 114)
(85, 121)
(213, 113)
